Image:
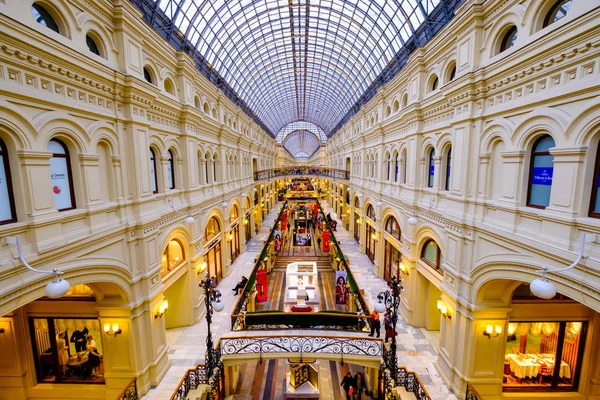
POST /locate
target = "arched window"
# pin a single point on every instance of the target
(357, 203)
(60, 174)
(396, 161)
(404, 100)
(172, 257)
(215, 162)
(197, 102)
(347, 197)
(393, 228)
(434, 83)
(448, 165)
(234, 214)
(431, 255)
(247, 204)
(396, 106)
(595, 203)
(213, 228)
(170, 171)
(43, 17)
(559, 10)
(370, 212)
(91, 44)
(153, 172)
(404, 165)
(452, 72)
(169, 87)
(540, 173)
(206, 108)
(207, 160)
(509, 38)
(148, 75)
(431, 165)
(7, 200)
(389, 166)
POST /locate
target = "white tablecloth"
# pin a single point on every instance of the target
(529, 366)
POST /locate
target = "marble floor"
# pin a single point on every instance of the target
(417, 348)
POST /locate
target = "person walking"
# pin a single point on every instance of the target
(375, 323)
(348, 385)
(288, 226)
(359, 381)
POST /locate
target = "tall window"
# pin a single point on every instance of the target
(148, 75)
(153, 179)
(43, 17)
(7, 200)
(396, 166)
(389, 167)
(171, 171)
(215, 161)
(91, 44)
(558, 11)
(540, 173)
(207, 167)
(448, 164)
(509, 39)
(595, 203)
(432, 256)
(431, 168)
(60, 175)
(404, 165)
(213, 228)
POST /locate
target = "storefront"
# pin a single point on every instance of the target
(357, 220)
(371, 237)
(234, 234)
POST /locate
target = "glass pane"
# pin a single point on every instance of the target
(530, 353)
(5, 203)
(175, 254)
(570, 353)
(596, 207)
(79, 348)
(59, 175)
(430, 253)
(153, 172)
(541, 180)
(44, 354)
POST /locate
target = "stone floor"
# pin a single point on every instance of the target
(417, 348)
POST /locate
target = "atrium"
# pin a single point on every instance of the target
(384, 199)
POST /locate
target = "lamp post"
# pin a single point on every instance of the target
(212, 300)
(389, 301)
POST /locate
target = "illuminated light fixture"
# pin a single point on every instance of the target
(189, 219)
(373, 236)
(492, 331)
(404, 269)
(162, 309)
(379, 204)
(202, 267)
(358, 221)
(542, 287)
(412, 220)
(441, 306)
(57, 287)
(230, 237)
(112, 329)
(224, 204)
(245, 222)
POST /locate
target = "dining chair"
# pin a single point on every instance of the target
(516, 349)
(533, 350)
(544, 371)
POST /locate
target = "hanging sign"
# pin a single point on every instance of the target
(262, 285)
(326, 235)
(542, 176)
(59, 177)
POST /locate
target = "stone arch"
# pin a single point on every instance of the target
(550, 121)
(500, 27)
(54, 124)
(17, 126)
(585, 125)
(101, 131)
(61, 12)
(499, 130)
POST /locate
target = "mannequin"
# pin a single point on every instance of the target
(79, 337)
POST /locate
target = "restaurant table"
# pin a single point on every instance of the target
(530, 365)
(78, 363)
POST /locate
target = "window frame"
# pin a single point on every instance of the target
(46, 17)
(89, 39)
(531, 163)
(171, 162)
(595, 189)
(431, 164)
(66, 156)
(154, 176)
(148, 76)
(167, 255)
(437, 266)
(558, 4)
(507, 37)
(448, 168)
(388, 227)
(370, 213)
(7, 174)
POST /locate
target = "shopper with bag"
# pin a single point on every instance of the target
(348, 385)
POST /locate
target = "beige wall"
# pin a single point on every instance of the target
(490, 114)
(109, 117)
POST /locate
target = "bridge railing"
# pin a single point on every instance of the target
(130, 391)
(302, 170)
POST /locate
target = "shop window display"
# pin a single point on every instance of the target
(172, 257)
(534, 352)
(67, 350)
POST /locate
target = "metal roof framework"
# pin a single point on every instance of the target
(316, 61)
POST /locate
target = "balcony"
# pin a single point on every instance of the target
(302, 171)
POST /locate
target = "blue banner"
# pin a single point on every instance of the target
(432, 170)
(542, 176)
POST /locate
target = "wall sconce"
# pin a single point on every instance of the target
(112, 330)
(374, 236)
(358, 221)
(162, 309)
(443, 309)
(202, 267)
(492, 331)
(230, 237)
(404, 270)
(245, 222)
(255, 212)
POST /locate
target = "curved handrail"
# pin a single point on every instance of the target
(130, 391)
(302, 170)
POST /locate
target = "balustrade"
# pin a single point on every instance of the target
(300, 171)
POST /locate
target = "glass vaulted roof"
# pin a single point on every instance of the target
(301, 142)
(308, 60)
(300, 126)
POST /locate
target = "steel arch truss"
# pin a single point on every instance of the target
(310, 60)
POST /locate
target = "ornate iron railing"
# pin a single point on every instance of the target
(302, 344)
(472, 393)
(193, 378)
(130, 391)
(411, 383)
(302, 170)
